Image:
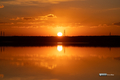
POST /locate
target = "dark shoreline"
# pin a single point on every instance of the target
(102, 41)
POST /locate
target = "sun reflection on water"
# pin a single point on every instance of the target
(59, 47)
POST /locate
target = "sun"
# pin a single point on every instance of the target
(59, 34)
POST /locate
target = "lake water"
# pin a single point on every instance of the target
(59, 63)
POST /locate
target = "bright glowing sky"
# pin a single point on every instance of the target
(48, 17)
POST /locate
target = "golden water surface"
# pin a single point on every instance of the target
(59, 63)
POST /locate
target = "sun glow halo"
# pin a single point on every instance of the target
(59, 34)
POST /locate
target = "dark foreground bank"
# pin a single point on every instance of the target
(106, 41)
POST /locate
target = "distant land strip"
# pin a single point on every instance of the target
(103, 41)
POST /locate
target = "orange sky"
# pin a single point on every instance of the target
(48, 17)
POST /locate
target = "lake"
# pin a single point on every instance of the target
(59, 63)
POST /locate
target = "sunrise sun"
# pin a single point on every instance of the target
(59, 34)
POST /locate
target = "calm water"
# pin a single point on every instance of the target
(59, 63)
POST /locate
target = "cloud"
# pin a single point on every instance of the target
(117, 23)
(51, 16)
(30, 22)
(22, 18)
(100, 25)
(66, 25)
(117, 58)
(32, 2)
(15, 18)
(114, 8)
(1, 6)
(27, 27)
(6, 23)
(46, 17)
(50, 79)
(6, 0)
(28, 18)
